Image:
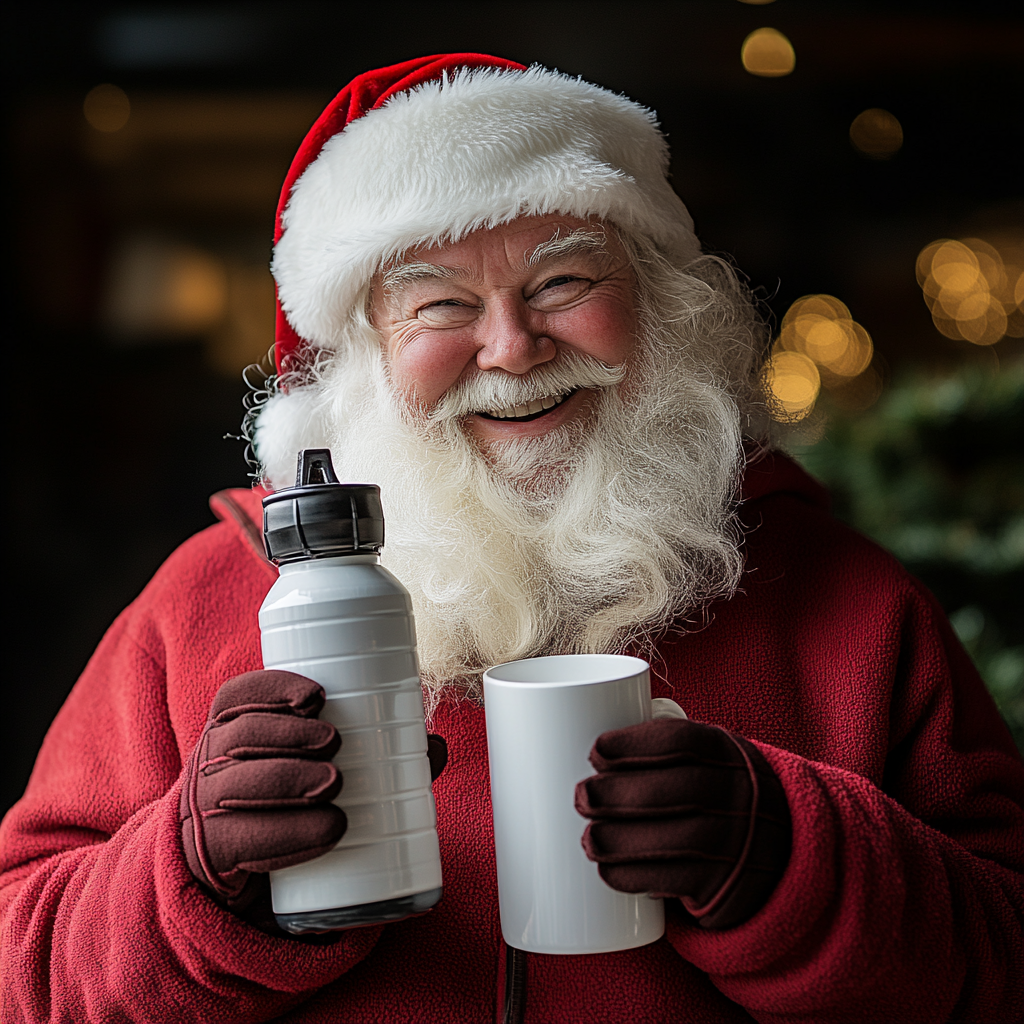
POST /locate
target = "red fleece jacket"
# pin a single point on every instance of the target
(903, 899)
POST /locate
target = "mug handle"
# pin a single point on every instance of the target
(664, 707)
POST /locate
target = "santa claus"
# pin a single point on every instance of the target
(492, 304)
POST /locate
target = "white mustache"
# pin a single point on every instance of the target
(492, 390)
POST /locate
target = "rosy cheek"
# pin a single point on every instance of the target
(604, 330)
(427, 362)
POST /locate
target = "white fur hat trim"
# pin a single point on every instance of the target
(475, 150)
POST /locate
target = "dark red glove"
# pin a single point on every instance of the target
(258, 787)
(259, 784)
(683, 809)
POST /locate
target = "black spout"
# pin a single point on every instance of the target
(314, 467)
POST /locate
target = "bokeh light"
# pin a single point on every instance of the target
(107, 108)
(792, 382)
(768, 53)
(821, 343)
(876, 133)
(159, 288)
(973, 288)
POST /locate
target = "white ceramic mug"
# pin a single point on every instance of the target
(543, 715)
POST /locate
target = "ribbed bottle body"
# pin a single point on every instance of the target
(347, 624)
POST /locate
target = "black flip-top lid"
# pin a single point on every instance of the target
(319, 517)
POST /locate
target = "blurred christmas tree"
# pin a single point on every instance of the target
(935, 473)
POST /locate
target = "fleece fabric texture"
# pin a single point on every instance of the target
(903, 899)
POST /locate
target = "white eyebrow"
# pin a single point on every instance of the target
(573, 244)
(402, 274)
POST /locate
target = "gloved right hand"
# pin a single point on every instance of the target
(684, 809)
(258, 787)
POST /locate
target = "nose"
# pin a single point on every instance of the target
(513, 337)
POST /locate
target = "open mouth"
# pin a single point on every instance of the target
(530, 411)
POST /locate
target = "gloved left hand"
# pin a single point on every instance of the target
(683, 809)
(258, 788)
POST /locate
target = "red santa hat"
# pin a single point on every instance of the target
(434, 148)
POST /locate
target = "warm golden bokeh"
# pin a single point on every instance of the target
(768, 53)
(161, 289)
(107, 108)
(818, 331)
(821, 305)
(792, 382)
(973, 290)
(876, 133)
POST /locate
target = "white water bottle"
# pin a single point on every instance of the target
(338, 617)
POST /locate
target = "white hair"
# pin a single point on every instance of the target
(589, 539)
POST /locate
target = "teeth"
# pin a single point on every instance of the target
(518, 411)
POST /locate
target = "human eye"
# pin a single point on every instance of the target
(446, 313)
(560, 290)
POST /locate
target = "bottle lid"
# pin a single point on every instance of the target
(320, 517)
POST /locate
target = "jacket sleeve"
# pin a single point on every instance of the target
(100, 918)
(902, 900)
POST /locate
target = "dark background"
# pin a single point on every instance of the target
(120, 434)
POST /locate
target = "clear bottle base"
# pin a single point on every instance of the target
(338, 918)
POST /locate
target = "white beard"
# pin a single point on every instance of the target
(583, 541)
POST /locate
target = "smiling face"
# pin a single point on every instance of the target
(507, 300)
(569, 526)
